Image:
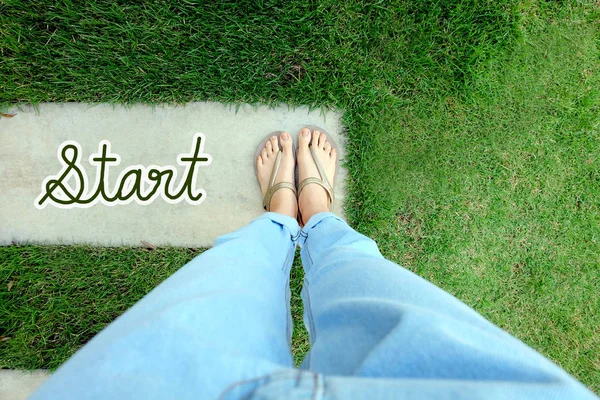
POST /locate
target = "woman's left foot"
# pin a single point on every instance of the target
(313, 198)
(283, 200)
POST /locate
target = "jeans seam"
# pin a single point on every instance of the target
(318, 388)
(310, 259)
(289, 329)
(309, 314)
(285, 263)
(298, 378)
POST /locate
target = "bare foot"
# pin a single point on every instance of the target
(314, 199)
(283, 200)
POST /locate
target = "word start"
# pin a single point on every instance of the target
(69, 188)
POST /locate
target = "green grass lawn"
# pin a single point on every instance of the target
(473, 147)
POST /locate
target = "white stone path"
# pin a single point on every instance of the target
(141, 136)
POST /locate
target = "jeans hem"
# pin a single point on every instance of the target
(284, 220)
(313, 222)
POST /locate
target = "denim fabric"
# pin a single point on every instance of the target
(220, 328)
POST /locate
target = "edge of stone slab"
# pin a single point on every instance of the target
(12, 108)
(334, 115)
(19, 384)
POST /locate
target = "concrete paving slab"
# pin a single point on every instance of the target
(193, 167)
(17, 385)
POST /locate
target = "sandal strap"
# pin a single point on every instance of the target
(271, 191)
(322, 173)
(275, 169)
(324, 184)
(275, 187)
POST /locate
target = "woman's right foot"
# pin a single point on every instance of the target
(283, 200)
(314, 198)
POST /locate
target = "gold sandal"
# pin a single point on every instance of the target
(322, 181)
(272, 187)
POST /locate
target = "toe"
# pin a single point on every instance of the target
(286, 141)
(304, 137)
(322, 140)
(259, 161)
(264, 153)
(274, 144)
(315, 138)
(333, 153)
(327, 147)
(269, 147)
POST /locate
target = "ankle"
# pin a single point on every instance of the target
(309, 210)
(284, 206)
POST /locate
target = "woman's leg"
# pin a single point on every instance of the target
(221, 319)
(369, 317)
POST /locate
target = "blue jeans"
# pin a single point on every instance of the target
(220, 328)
